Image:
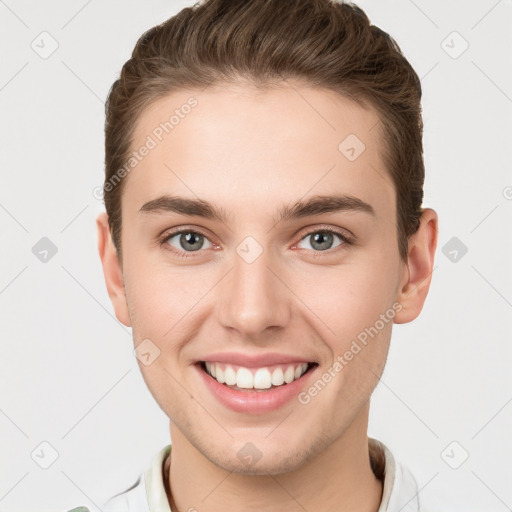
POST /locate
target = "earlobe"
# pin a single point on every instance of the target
(112, 270)
(418, 270)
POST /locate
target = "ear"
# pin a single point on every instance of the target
(112, 270)
(418, 269)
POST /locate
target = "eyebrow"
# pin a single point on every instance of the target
(316, 205)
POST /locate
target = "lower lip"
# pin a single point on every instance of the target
(255, 402)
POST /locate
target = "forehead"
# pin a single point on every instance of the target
(246, 147)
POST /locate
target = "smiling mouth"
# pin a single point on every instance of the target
(256, 379)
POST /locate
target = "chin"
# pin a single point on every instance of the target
(251, 461)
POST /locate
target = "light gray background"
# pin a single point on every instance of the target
(68, 374)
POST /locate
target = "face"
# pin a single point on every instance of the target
(269, 276)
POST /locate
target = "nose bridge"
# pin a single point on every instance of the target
(253, 298)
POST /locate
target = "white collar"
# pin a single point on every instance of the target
(400, 489)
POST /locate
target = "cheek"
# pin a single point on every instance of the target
(346, 299)
(347, 312)
(160, 295)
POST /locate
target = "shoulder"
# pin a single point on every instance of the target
(134, 498)
(138, 497)
(131, 499)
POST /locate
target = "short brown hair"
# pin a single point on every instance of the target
(321, 43)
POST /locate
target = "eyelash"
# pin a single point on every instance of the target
(347, 240)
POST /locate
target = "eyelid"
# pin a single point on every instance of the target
(345, 234)
(183, 229)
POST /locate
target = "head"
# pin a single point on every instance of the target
(263, 193)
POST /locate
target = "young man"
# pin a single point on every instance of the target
(263, 232)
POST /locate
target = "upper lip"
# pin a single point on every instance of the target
(253, 361)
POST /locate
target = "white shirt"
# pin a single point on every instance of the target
(400, 489)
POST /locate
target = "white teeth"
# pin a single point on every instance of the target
(218, 374)
(289, 374)
(244, 378)
(277, 377)
(230, 376)
(263, 378)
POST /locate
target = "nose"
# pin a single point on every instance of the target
(254, 298)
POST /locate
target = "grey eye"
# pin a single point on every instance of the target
(190, 241)
(321, 240)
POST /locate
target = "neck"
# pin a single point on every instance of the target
(339, 479)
